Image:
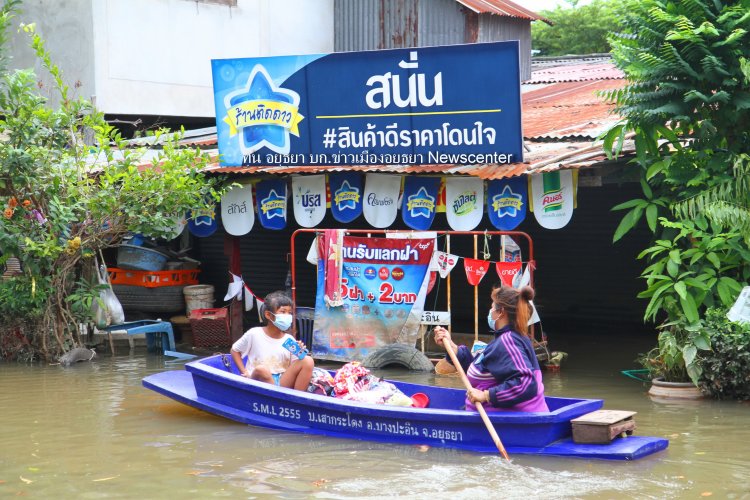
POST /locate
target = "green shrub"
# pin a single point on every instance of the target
(726, 368)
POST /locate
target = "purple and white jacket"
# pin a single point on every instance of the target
(509, 370)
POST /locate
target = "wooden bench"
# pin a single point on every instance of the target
(602, 426)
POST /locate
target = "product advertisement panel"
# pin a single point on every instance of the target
(382, 284)
(456, 104)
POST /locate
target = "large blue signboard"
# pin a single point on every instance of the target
(434, 105)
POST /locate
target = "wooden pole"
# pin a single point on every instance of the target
(476, 299)
(448, 281)
(480, 408)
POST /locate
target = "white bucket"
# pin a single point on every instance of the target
(198, 297)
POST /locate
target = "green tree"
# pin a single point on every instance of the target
(65, 197)
(687, 105)
(576, 29)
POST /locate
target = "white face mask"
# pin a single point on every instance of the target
(283, 321)
(491, 321)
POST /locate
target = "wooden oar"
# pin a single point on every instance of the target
(480, 408)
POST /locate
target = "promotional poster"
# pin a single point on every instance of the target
(383, 286)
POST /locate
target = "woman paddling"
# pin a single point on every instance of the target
(505, 375)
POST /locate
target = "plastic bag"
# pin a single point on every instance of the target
(111, 313)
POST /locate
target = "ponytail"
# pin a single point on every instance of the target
(516, 304)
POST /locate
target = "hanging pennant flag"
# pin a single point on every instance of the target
(522, 279)
(534, 314)
(249, 299)
(234, 290)
(553, 197)
(433, 279)
(380, 199)
(237, 211)
(308, 198)
(271, 198)
(506, 202)
(475, 270)
(202, 221)
(420, 201)
(464, 202)
(507, 271)
(444, 262)
(346, 195)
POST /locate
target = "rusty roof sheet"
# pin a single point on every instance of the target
(571, 110)
(503, 8)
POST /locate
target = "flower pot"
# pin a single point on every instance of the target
(662, 389)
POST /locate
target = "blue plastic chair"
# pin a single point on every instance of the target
(151, 328)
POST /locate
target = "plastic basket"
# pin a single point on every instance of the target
(153, 279)
(210, 328)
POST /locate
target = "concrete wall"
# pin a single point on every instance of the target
(153, 57)
(67, 28)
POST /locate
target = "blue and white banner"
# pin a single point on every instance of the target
(309, 199)
(346, 195)
(429, 105)
(507, 200)
(271, 200)
(202, 221)
(237, 210)
(419, 201)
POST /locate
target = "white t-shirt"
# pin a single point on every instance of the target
(261, 349)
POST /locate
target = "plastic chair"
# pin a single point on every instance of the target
(305, 317)
(151, 328)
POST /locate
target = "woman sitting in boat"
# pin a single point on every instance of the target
(506, 373)
(268, 360)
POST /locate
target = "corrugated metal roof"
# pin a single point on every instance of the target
(575, 71)
(504, 8)
(568, 111)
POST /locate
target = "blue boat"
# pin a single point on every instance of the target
(210, 385)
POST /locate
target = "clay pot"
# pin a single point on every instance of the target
(673, 390)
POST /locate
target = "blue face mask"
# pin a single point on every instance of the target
(491, 321)
(283, 321)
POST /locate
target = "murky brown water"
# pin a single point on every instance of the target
(92, 431)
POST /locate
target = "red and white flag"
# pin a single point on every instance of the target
(507, 271)
(475, 270)
(443, 262)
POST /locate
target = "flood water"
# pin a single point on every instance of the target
(92, 431)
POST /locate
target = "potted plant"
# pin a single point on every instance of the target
(673, 365)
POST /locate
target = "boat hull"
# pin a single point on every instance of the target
(209, 386)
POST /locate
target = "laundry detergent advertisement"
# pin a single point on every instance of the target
(458, 104)
(382, 285)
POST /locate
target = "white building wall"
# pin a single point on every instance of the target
(153, 57)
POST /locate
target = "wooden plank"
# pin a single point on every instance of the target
(603, 417)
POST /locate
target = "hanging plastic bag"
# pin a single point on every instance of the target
(111, 313)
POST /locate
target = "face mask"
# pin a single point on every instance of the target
(490, 321)
(283, 321)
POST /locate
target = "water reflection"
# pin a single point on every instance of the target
(92, 431)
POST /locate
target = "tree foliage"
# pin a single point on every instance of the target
(65, 197)
(687, 105)
(577, 29)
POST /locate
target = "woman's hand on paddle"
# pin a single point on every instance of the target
(477, 396)
(442, 335)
